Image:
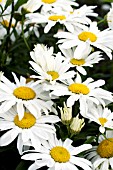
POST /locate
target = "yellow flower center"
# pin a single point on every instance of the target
(105, 148)
(24, 93)
(84, 36)
(57, 17)
(102, 120)
(53, 74)
(77, 62)
(60, 154)
(79, 88)
(27, 121)
(6, 23)
(49, 1)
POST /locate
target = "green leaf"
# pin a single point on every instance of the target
(8, 3)
(19, 3)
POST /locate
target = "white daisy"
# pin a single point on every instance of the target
(91, 35)
(102, 155)
(49, 19)
(47, 5)
(82, 91)
(100, 115)
(81, 15)
(23, 95)
(30, 130)
(49, 67)
(110, 17)
(81, 57)
(84, 11)
(57, 154)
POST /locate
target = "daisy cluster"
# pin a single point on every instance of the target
(59, 117)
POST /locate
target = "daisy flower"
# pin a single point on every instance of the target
(88, 90)
(47, 5)
(50, 68)
(110, 17)
(85, 10)
(29, 131)
(49, 19)
(102, 40)
(57, 154)
(81, 57)
(81, 15)
(102, 155)
(23, 95)
(100, 115)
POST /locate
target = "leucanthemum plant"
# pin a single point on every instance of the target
(49, 67)
(23, 95)
(101, 115)
(90, 35)
(81, 57)
(58, 154)
(82, 91)
(48, 5)
(56, 106)
(102, 155)
(30, 130)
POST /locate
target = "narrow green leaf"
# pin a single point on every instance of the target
(8, 2)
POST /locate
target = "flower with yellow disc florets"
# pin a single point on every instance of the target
(86, 91)
(102, 155)
(91, 35)
(23, 95)
(58, 154)
(29, 131)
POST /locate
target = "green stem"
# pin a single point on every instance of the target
(27, 45)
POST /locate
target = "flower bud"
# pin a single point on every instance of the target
(66, 114)
(76, 124)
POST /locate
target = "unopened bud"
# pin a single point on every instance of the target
(77, 124)
(66, 114)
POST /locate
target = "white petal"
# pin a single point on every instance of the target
(5, 125)
(81, 148)
(71, 100)
(20, 110)
(25, 135)
(16, 79)
(5, 106)
(8, 137)
(48, 119)
(78, 78)
(102, 129)
(20, 144)
(111, 162)
(31, 156)
(67, 143)
(81, 70)
(81, 162)
(98, 162)
(34, 166)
